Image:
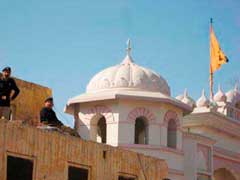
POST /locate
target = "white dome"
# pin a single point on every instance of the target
(233, 96)
(128, 75)
(186, 99)
(220, 95)
(179, 97)
(203, 101)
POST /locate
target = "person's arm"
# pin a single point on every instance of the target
(15, 89)
(57, 120)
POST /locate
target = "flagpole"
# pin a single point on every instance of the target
(210, 69)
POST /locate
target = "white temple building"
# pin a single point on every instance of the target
(131, 107)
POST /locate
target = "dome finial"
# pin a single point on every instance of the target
(219, 87)
(236, 87)
(128, 58)
(129, 47)
(185, 93)
(203, 92)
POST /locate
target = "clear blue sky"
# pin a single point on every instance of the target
(63, 43)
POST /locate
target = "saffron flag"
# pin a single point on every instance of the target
(217, 56)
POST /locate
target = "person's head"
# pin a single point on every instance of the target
(48, 103)
(6, 72)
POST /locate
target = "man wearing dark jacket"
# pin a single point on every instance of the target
(8, 92)
(48, 116)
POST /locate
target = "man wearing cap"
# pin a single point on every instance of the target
(8, 92)
(47, 115)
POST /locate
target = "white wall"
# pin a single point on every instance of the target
(121, 131)
(190, 163)
(222, 140)
(157, 132)
(174, 161)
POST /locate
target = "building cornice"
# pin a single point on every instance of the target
(200, 138)
(212, 120)
(125, 94)
(226, 154)
(153, 147)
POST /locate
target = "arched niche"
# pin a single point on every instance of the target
(141, 112)
(93, 112)
(172, 134)
(172, 124)
(141, 130)
(98, 128)
(223, 174)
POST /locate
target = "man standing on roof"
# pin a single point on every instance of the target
(8, 92)
(48, 116)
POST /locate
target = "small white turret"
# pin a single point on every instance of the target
(220, 95)
(233, 96)
(203, 101)
(186, 99)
